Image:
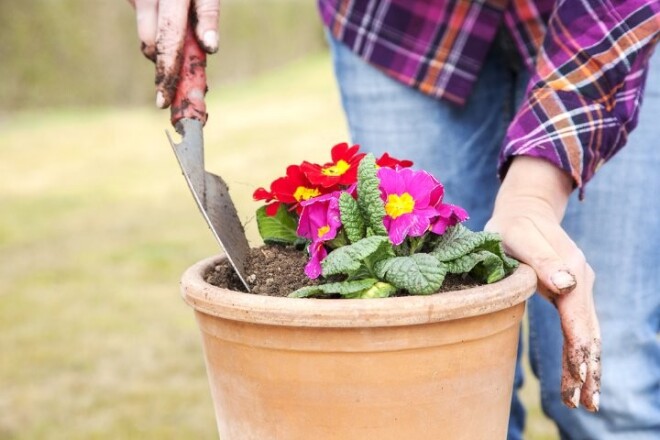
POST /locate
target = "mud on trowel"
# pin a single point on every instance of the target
(188, 116)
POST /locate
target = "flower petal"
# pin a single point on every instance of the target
(420, 186)
(390, 162)
(388, 179)
(320, 213)
(420, 224)
(317, 254)
(262, 194)
(437, 194)
(339, 151)
(399, 227)
(449, 215)
(271, 209)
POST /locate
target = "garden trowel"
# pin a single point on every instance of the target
(188, 115)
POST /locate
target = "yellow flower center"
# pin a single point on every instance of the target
(398, 205)
(337, 169)
(323, 230)
(304, 193)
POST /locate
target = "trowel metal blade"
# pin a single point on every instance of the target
(211, 194)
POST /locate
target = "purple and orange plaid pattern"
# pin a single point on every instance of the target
(588, 59)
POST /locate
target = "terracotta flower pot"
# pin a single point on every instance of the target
(422, 367)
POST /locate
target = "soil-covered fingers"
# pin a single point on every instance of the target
(567, 280)
(172, 24)
(591, 389)
(580, 381)
(207, 12)
(146, 13)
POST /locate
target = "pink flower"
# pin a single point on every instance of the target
(319, 222)
(320, 219)
(407, 197)
(317, 253)
(448, 215)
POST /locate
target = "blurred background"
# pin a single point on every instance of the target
(96, 222)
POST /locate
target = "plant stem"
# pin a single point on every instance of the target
(416, 243)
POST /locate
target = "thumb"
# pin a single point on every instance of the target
(525, 241)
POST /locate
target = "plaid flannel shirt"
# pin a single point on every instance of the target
(587, 58)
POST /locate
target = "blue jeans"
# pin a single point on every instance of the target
(617, 227)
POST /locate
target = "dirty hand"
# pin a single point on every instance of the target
(162, 27)
(528, 212)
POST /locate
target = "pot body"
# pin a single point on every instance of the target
(389, 370)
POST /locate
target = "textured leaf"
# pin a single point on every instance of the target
(457, 242)
(351, 218)
(419, 274)
(484, 265)
(348, 259)
(349, 289)
(490, 270)
(480, 253)
(494, 245)
(369, 201)
(280, 228)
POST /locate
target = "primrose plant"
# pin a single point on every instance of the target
(374, 228)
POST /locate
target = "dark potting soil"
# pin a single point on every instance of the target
(278, 271)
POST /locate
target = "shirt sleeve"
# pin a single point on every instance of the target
(583, 98)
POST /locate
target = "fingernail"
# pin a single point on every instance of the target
(596, 400)
(211, 40)
(583, 371)
(563, 280)
(148, 51)
(575, 400)
(160, 100)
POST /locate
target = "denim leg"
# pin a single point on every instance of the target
(618, 228)
(457, 145)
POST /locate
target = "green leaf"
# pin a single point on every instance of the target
(484, 265)
(480, 253)
(419, 274)
(339, 240)
(349, 259)
(459, 241)
(351, 218)
(348, 289)
(378, 290)
(456, 242)
(490, 270)
(494, 245)
(277, 229)
(369, 201)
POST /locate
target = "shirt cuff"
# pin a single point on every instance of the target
(565, 128)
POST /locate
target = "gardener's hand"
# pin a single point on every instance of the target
(528, 212)
(161, 28)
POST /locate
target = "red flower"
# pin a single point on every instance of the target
(341, 171)
(388, 161)
(290, 190)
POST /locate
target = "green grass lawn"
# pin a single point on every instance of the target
(96, 225)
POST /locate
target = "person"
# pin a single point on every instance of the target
(547, 92)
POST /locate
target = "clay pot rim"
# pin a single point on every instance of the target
(352, 313)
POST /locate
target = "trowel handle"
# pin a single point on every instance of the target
(189, 97)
